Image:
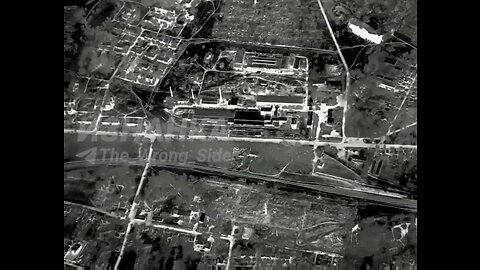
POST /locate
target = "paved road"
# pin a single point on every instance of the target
(347, 72)
(403, 102)
(133, 209)
(209, 40)
(401, 129)
(93, 209)
(353, 143)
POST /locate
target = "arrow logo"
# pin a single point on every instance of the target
(89, 155)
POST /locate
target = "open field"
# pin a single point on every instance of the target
(104, 187)
(301, 23)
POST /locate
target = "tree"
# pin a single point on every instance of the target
(166, 4)
(101, 62)
(302, 126)
(227, 227)
(84, 42)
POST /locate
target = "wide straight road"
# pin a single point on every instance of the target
(344, 62)
(348, 143)
(133, 208)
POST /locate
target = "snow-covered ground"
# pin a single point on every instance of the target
(363, 33)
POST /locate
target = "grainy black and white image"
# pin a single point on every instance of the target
(240, 134)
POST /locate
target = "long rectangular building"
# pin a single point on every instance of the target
(280, 99)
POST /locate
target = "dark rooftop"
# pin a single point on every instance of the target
(248, 115)
(214, 113)
(281, 99)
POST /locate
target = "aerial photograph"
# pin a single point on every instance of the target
(240, 134)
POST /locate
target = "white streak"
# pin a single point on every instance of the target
(363, 33)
